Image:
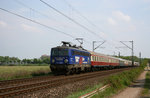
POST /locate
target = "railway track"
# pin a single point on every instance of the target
(22, 86)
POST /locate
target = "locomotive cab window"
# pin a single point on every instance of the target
(59, 52)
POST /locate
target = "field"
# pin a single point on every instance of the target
(15, 72)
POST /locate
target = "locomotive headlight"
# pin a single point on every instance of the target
(66, 60)
(53, 60)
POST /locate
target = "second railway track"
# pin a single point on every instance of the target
(35, 84)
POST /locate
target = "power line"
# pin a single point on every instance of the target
(73, 19)
(90, 22)
(36, 11)
(70, 19)
(40, 24)
(21, 3)
(37, 22)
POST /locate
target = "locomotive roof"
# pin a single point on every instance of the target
(81, 49)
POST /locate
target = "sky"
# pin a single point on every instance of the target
(111, 21)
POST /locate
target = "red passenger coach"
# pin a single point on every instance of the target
(101, 60)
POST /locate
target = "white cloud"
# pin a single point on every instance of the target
(3, 24)
(121, 16)
(29, 28)
(111, 21)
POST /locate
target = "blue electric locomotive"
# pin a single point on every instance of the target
(67, 59)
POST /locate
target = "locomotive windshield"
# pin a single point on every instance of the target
(59, 52)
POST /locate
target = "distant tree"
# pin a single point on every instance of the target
(28, 61)
(35, 61)
(45, 59)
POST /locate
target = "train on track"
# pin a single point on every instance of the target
(69, 59)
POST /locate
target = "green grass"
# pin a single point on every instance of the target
(87, 90)
(119, 82)
(146, 89)
(15, 72)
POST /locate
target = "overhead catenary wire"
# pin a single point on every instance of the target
(82, 26)
(43, 14)
(36, 11)
(90, 22)
(49, 17)
(37, 22)
(71, 19)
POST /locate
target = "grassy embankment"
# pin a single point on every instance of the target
(118, 82)
(15, 72)
(146, 91)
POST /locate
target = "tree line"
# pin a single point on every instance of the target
(6, 60)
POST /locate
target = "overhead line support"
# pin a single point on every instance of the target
(102, 42)
(131, 48)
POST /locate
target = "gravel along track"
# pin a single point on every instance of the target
(49, 84)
